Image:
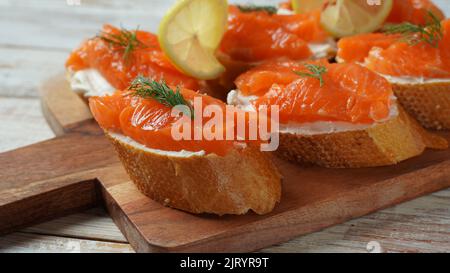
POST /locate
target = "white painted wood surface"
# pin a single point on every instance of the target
(36, 37)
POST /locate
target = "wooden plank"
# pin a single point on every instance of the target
(54, 177)
(22, 123)
(94, 224)
(421, 225)
(32, 243)
(70, 25)
(22, 70)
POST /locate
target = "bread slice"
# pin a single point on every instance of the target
(245, 179)
(429, 103)
(386, 143)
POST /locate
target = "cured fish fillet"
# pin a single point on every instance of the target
(349, 118)
(419, 73)
(257, 36)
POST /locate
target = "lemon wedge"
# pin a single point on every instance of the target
(343, 18)
(190, 33)
(303, 6)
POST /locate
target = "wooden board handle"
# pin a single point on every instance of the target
(51, 178)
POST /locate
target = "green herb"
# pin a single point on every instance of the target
(124, 39)
(251, 8)
(316, 72)
(430, 33)
(160, 91)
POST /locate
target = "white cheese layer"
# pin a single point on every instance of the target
(137, 145)
(323, 50)
(319, 50)
(89, 82)
(308, 128)
(376, 51)
(282, 11)
(414, 80)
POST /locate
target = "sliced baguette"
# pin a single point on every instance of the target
(429, 103)
(245, 179)
(383, 144)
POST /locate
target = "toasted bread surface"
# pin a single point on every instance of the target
(386, 143)
(245, 179)
(429, 103)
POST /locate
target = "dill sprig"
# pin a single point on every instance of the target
(251, 8)
(124, 39)
(430, 33)
(160, 91)
(316, 72)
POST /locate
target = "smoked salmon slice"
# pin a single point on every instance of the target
(121, 55)
(150, 122)
(350, 92)
(390, 55)
(258, 36)
(356, 48)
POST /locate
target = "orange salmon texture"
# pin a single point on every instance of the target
(146, 59)
(150, 122)
(258, 36)
(350, 93)
(389, 55)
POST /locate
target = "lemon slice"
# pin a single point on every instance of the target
(303, 6)
(190, 33)
(349, 17)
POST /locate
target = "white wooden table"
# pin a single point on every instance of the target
(36, 37)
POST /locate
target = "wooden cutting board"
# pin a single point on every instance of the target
(79, 169)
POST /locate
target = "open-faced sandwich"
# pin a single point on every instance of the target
(133, 88)
(114, 58)
(192, 174)
(415, 59)
(334, 115)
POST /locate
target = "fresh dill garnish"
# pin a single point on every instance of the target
(124, 39)
(251, 8)
(430, 33)
(316, 72)
(160, 91)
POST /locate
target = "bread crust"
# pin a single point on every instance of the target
(243, 180)
(429, 103)
(384, 144)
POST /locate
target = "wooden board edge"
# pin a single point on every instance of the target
(439, 180)
(47, 205)
(61, 116)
